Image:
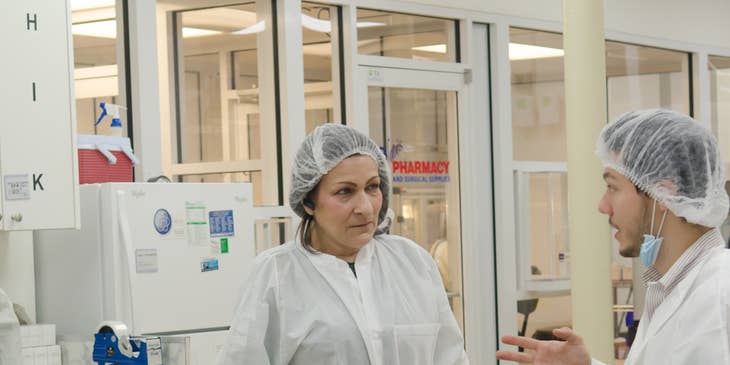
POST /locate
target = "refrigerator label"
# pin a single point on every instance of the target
(221, 223)
(196, 224)
(224, 245)
(17, 187)
(146, 260)
(162, 221)
(208, 264)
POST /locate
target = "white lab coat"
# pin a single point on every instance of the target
(10, 351)
(690, 326)
(302, 308)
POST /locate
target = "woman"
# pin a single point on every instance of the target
(343, 292)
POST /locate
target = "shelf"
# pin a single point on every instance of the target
(548, 285)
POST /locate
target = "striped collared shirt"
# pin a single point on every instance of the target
(659, 287)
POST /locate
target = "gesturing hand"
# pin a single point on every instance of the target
(570, 352)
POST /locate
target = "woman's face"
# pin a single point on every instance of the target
(346, 205)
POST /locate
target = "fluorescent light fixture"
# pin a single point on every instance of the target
(325, 26)
(434, 48)
(369, 24)
(317, 25)
(256, 28)
(100, 29)
(90, 4)
(108, 29)
(518, 51)
(188, 32)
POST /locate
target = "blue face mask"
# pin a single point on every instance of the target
(651, 246)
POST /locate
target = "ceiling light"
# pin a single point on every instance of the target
(317, 25)
(256, 28)
(434, 48)
(325, 26)
(101, 29)
(90, 4)
(369, 24)
(518, 51)
(188, 32)
(108, 29)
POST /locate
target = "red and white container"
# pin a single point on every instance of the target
(105, 159)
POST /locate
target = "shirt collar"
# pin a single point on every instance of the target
(687, 261)
(365, 254)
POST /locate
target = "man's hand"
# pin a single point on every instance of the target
(570, 352)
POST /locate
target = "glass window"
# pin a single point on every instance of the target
(720, 96)
(94, 30)
(215, 107)
(253, 177)
(640, 77)
(417, 128)
(381, 33)
(321, 42)
(218, 94)
(538, 96)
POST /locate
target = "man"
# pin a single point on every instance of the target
(665, 198)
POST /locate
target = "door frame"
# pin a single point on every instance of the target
(470, 147)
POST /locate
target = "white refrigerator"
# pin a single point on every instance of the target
(164, 258)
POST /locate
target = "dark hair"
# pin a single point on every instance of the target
(304, 231)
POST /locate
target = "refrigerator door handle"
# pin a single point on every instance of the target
(126, 241)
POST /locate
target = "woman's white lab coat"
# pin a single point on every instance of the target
(691, 325)
(302, 308)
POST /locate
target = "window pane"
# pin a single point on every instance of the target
(217, 53)
(219, 116)
(720, 96)
(417, 125)
(201, 130)
(94, 30)
(254, 177)
(321, 64)
(538, 96)
(638, 77)
(381, 33)
(642, 77)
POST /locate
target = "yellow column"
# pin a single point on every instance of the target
(590, 249)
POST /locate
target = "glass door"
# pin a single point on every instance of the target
(413, 116)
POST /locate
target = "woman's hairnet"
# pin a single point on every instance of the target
(672, 158)
(321, 151)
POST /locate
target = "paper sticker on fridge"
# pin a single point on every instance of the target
(196, 224)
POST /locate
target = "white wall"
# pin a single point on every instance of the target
(17, 270)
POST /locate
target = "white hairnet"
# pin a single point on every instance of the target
(672, 158)
(321, 151)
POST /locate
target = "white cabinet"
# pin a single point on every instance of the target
(38, 164)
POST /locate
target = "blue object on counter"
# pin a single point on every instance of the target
(107, 351)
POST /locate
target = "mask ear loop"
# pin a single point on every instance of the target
(653, 211)
(659, 232)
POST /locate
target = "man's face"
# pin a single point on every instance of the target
(626, 208)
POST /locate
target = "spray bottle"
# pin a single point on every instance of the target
(114, 110)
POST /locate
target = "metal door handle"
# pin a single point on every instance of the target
(17, 217)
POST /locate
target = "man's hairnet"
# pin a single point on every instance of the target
(321, 151)
(672, 158)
